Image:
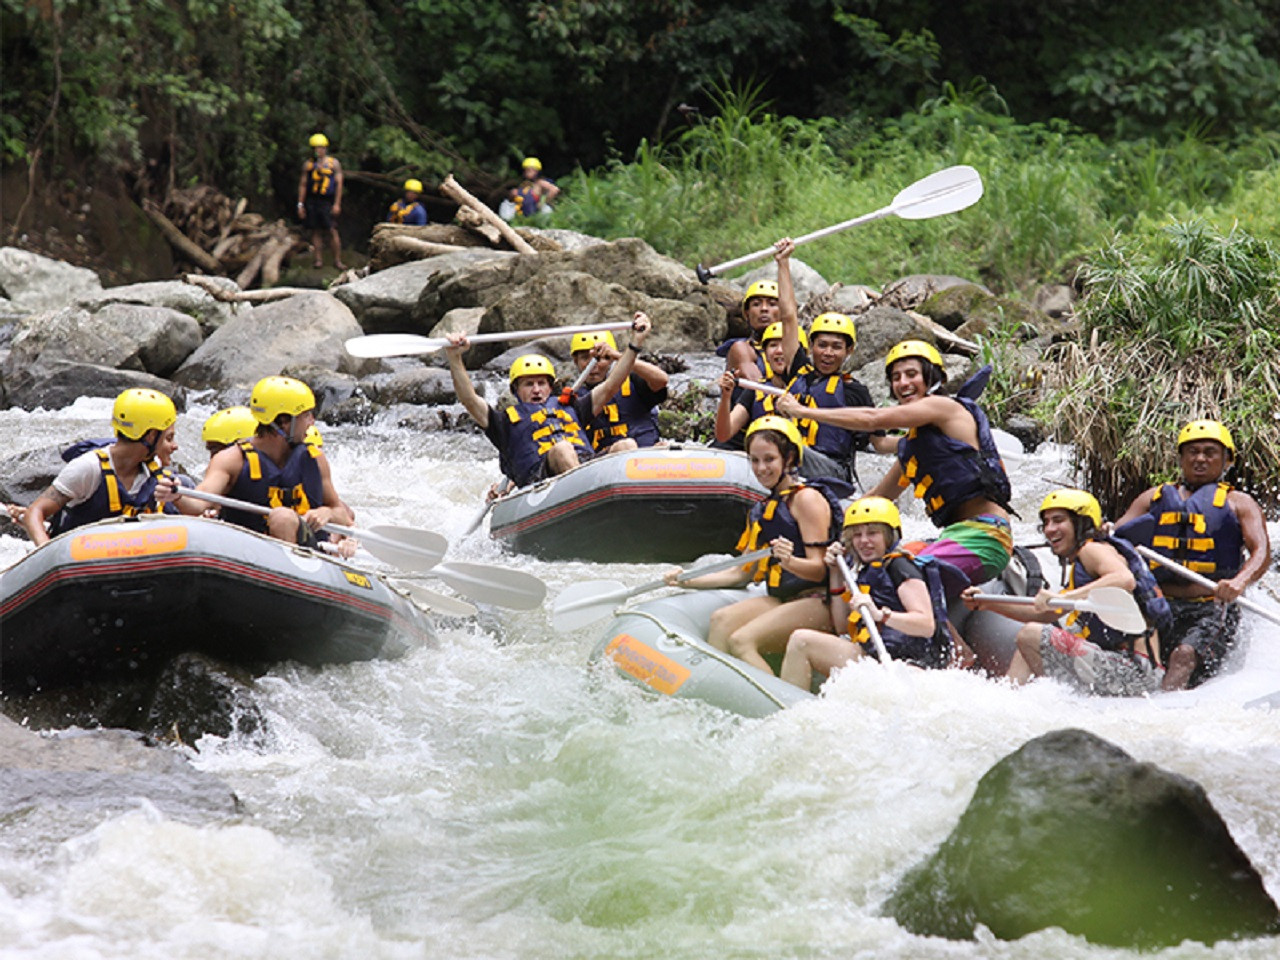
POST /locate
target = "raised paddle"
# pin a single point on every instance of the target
(409, 344)
(582, 604)
(405, 547)
(868, 609)
(946, 191)
(1204, 581)
(1112, 605)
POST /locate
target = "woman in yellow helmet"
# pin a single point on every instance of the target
(797, 521)
(909, 610)
(409, 209)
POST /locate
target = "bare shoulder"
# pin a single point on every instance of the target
(1242, 503)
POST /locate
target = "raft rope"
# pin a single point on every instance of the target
(733, 663)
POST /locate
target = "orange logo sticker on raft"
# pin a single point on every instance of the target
(646, 664)
(129, 542)
(661, 468)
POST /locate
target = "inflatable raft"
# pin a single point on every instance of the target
(120, 598)
(655, 505)
(659, 644)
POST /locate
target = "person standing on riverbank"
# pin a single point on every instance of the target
(1212, 529)
(320, 200)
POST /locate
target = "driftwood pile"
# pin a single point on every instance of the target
(221, 237)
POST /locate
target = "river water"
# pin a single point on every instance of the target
(496, 798)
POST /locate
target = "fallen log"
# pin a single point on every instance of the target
(209, 286)
(424, 247)
(273, 253)
(959, 344)
(456, 192)
(178, 240)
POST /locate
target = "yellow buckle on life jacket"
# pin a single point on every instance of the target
(251, 457)
(109, 479)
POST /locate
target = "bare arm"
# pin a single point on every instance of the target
(889, 487)
(787, 313)
(742, 360)
(1139, 506)
(1253, 527)
(655, 377)
(46, 506)
(603, 392)
(219, 477)
(728, 418)
(942, 412)
(337, 179)
(916, 617)
(813, 516)
(1104, 563)
(462, 385)
(302, 184)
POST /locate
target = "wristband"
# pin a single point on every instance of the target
(632, 346)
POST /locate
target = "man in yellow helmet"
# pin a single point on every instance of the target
(539, 436)
(409, 208)
(275, 468)
(1087, 654)
(630, 419)
(320, 200)
(1212, 529)
(227, 426)
(119, 479)
(765, 303)
(535, 193)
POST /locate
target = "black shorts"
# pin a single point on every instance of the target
(1206, 627)
(306, 536)
(319, 213)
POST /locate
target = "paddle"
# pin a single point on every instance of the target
(439, 602)
(406, 547)
(1112, 605)
(584, 603)
(939, 193)
(1194, 577)
(868, 609)
(408, 344)
(483, 512)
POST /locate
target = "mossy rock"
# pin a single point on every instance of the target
(971, 311)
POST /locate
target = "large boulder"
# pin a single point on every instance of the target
(33, 283)
(971, 311)
(1070, 831)
(187, 298)
(309, 328)
(153, 340)
(417, 385)
(907, 293)
(24, 476)
(879, 329)
(332, 389)
(384, 302)
(53, 384)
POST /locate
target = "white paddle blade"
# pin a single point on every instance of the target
(498, 586)
(404, 547)
(1007, 445)
(1116, 608)
(379, 345)
(939, 193)
(440, 603)
(582, 604)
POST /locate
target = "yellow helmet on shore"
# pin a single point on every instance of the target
(138, 410)
(1079, 502)
(413, 185)
(531, 163)
(585, 341)
(1207, 430)
(274, 397)
(761, 288)
(771, 421)
(874, 510)
(229, 425)
(531, 365)
(318, 140)
(774, 332)
(837, 323)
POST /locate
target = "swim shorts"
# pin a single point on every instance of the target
(1208, 628)
(980, 547)
(1084, 665)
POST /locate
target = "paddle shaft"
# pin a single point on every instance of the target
(806, 238)
(716, 567)
(548, 332)
(1204, 581)
(864, 601)
(762, 387)
(567, 393)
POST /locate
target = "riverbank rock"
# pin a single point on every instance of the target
(416, 385)
(384, 302)
(197, 695)
(309, 328)
(807, 281)
(34, 284)
(908, 293)
(878, 330)
(209, 312)
(24, 476)
(102, 772)
(1070, 831)
(59, 383)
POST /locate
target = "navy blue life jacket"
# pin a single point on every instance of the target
(109, 498)
(1154, 607)
(945, 472)
(404, 212)
(874, 579)
(84, 446)
(625, 416)
(772, 518)
(815, 390)
(296, 485)
(1200, 532)
(535, 429)
(322, 178)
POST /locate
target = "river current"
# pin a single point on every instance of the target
(497, 798)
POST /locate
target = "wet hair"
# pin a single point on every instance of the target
(789, 451)
(934, 375)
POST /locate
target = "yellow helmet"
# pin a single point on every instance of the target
(531, 365)
(874, 510)
(585, 341)
(771, 421)
(1079, 502)
(913, 348)
(413, 185)
(139, 410)
(274, 397)
(229, 425)
(312, 436)
(774, 332)
(533, 162)
(761, 288)
(1207, 430)
(834, 323)
(318, 140)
